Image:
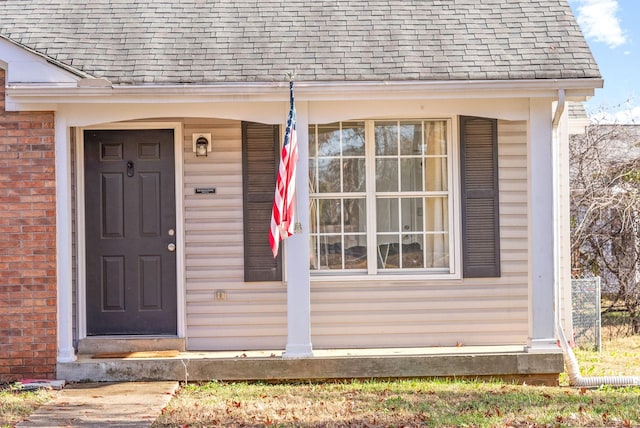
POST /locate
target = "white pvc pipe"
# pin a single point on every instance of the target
(575, 379)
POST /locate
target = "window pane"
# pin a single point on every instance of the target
(355, 215)
(353, 139)
(387, 215)
(387, 175)
(436, 133)
(411, 138)
(355, 252)
(411, 163)
(328, 175)
(354, 175)
(388, 251)
(412, 220)
(313, 180)
(386, 138)
(411, 171)
(436, 174)
(412, 251)
(330, 219)
(312, 141)
(436, 214)
(329, 140)
(330, 252)
(313, 215)
(313, 253)
(437, 246)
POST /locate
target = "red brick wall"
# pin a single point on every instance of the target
(27, 244)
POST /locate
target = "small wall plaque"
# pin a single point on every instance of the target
(205, 190)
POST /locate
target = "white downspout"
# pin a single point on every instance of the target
(573, 369)
(559, 110)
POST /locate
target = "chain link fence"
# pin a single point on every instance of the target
(587, 323)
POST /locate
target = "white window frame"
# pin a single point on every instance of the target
(455, 221)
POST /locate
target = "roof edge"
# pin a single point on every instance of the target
(576, 89)
(52, 61)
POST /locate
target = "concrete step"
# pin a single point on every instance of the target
(100, 344)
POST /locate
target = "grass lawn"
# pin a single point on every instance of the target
(619, 356)
(411, 403)
(408, 403)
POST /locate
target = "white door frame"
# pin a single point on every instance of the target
(80, 219)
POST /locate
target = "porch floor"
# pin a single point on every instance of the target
(511, 363)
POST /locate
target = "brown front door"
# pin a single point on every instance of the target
(130, 232)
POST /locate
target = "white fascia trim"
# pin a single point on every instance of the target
(305, 91)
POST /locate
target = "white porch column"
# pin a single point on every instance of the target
(297, 252)
(64, 223)
(542, 250)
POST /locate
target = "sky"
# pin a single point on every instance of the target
(612, 29)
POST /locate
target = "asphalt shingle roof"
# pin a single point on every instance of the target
(209, 41)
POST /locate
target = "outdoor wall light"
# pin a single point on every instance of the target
(201, 144)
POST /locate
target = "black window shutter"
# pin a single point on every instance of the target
(260, 145)
(480, 208)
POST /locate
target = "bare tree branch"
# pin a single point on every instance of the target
(605, 211)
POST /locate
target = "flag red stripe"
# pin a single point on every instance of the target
(282, 217)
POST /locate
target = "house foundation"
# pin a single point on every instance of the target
(512, 364)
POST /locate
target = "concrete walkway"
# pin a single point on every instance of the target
(104, 404)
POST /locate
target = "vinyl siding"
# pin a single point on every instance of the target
(483, 311)
(253, 315)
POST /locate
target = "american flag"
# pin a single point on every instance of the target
(282, 221)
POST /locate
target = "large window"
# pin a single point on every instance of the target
(380, 196)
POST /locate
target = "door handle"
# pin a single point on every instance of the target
(171, 247)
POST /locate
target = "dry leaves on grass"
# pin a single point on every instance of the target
(408, 403)
(16, 405)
